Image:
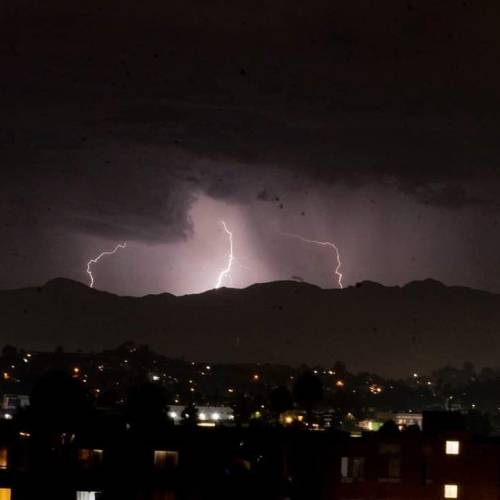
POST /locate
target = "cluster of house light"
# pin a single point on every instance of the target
(375, 389)
(202, 416)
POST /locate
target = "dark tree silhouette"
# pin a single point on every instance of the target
(59, 403)
(308, 392)
(147, 407)
(190, 415)
(280, 400)
(9, 351)
(389, 428)
(243, 408)
(339, 368)
(108, 398)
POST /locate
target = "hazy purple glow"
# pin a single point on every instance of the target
(380, 241)
(384, 236)
(380, 136)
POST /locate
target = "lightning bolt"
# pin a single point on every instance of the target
(230, 257)
(98, 258)
(329, 244)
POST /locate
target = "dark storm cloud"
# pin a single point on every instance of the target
(117, 115)
(448, 196)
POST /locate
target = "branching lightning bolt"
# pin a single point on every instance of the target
(230, 257)
(338, 274)
(98, 258)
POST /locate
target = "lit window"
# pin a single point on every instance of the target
(450, 491)
(165, 459)
(88, 495)
(3, 458)
(344, 467)
(5, 493)
(90, 457)
(452, 447)
(352, 468)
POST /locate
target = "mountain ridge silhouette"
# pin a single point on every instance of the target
(392, 330)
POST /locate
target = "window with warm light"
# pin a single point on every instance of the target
(4, 459)
(164, 459)
(450, 491)
(5, 493)
(90, 457)
(452, 447)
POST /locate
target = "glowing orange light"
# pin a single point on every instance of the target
(5, 494)
(3, 458)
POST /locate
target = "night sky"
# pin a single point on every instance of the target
(374, 125)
